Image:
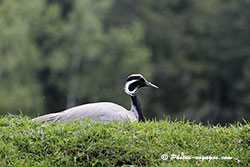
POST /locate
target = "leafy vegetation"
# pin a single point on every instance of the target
(87, 143)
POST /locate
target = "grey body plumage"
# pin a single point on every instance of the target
(105, 111)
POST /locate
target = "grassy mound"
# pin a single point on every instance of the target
(88, 143)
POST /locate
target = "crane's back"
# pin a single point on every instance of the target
(102, 111)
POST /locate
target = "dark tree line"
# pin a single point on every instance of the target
(57, 54)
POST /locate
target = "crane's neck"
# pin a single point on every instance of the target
(136, 108)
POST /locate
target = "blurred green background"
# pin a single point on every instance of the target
(55, 54)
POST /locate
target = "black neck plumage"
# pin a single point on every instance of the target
(136, 107)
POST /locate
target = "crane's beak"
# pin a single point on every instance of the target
(152, 85)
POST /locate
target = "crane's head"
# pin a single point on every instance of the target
(134, 82)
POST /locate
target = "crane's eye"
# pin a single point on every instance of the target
(142, 80)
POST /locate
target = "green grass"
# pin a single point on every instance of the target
(88, 143)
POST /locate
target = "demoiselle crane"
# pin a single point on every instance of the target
(106, 111)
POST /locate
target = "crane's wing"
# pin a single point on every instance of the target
(54, 117)
(103, 111)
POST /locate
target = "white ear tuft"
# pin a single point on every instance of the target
(131, 92)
